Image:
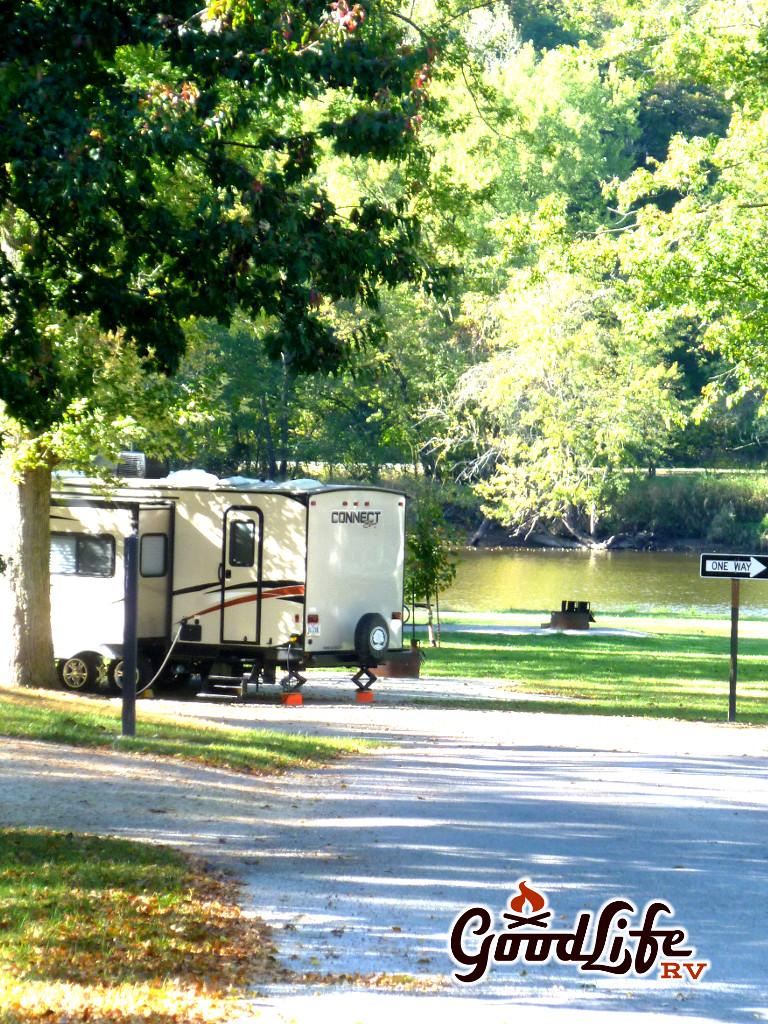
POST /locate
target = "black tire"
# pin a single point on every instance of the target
(144, 673)
(81, 672)
(371, 638)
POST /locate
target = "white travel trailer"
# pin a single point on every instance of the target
(238, 579)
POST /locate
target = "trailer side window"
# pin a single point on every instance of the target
(153, 558)
(242, 543)
(64, 554)
(82, 554)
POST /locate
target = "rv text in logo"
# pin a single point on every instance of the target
(603, 941)
(365, 517)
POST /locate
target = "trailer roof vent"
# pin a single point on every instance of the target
(132, 464)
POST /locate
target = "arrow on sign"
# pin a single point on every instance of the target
(735, 567)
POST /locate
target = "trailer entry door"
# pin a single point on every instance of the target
(242, 552)
(155, 572)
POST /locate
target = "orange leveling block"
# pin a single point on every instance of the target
(294, 699)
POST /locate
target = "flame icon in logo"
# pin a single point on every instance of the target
(529, 895)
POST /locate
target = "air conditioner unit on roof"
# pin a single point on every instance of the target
(132, 464)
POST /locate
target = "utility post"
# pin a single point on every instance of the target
(130, 658)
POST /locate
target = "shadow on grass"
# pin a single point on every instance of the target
(35, 716)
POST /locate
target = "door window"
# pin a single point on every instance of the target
(242, 543)
(153, 560)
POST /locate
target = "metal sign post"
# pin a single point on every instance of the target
(129, 634)
(734, 568)
(734, 650)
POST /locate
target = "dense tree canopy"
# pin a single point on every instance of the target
(155, 166)
(697, 264)
(565, 405)
(604, 139)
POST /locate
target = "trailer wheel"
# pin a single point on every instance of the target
(144, 673)
(371, 637)
(80, 673)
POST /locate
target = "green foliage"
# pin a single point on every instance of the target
(671, 108)
(280, 170)
(154, 166)
(268, 421)
(722, 508)
(248, 422)
(429, 567)
(560, 412)
(127, 405)
(567, 123)
(702, 262)
(691, 256)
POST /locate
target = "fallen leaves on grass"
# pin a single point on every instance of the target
(73, 1003)
(109, 931)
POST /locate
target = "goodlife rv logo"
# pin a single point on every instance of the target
(604, 941)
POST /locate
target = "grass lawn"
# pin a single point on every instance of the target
(108, 930)
(67, 718)
(677, 669)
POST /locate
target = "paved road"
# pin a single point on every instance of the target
(373, 860)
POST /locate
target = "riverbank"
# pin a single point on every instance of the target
(500, 538)
(679, 511)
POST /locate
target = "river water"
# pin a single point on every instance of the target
(613, 581)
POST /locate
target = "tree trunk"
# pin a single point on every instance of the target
(583, 538)
(480, 532)
(271, 456)
(430, 624)
(26, 644)
(592, 522)
(283, 419)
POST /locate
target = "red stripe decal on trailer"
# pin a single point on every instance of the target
(278, 592)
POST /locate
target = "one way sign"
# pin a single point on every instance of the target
(735, 567)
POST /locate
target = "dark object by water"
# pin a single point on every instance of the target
(572, 615)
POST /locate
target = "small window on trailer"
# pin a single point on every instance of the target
(153, 557)
(82, 554)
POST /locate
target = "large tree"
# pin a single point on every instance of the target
(561, 413)
(156, 166)
(689, 251)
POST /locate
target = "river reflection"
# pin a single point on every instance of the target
(613, 581)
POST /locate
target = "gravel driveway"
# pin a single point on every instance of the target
(362, 866)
